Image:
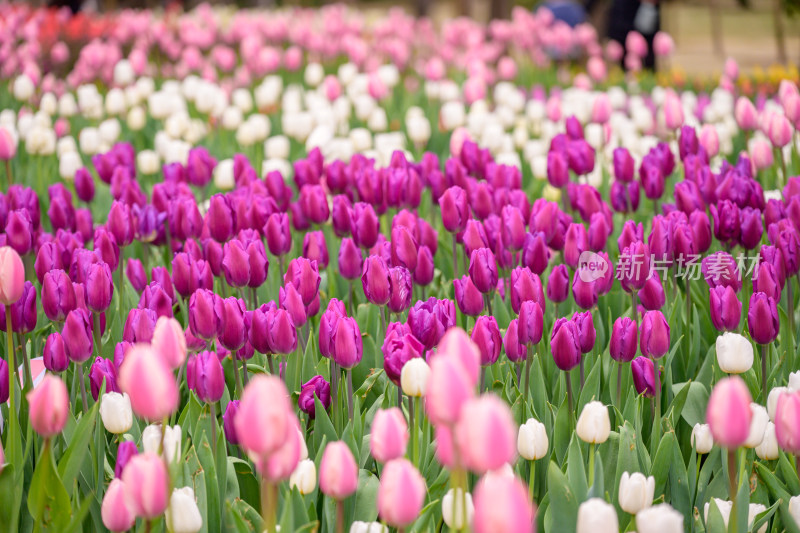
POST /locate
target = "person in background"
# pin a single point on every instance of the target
(567, 11)
(625, 16)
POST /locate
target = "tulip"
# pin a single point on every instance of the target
(449, 387)
(728, 412)
(205, 309)
(454, 208)
(278, 234)
(115, 411)
(401, 493)
(772, 400)
(483, 270)
(430, 319)
(228, 418)
(758, 425)
(103, 371)
(531, 323)
(532, 442)
(399, 347)
(702, 439)
(593, 424)
(486, 335)
(660, 518)
(350, 260)
(346, 344)
(516, 351)
(182, 515)
(453, 512)
(622, 347)
(597, 516)
(634, 264)
(206, 377)
(400, 289)
(644, 376)
(279, 465)
(389, 435)
(77, 334)
(654, 338)
(146, 483)
(762, 318)
(116, 514)
(636, 492)
(468, 297)
(318, 388)
(652, 295)
(304, 477)
(12, 276)
(502, 504)
(19, 232)
(734, 353)
(48, 406)
(726, 308)
(55, 353)
(565, 345)
(304, 276)
(768, 448)
(486, 434)
(558, 284)
(338, 471)
(787, 413)
(139, 325)
(414, 377)
(149, 383)
(262, 423)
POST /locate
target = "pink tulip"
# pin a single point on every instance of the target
(435, 69)
(12, 276)
(146, 483)
(506, 68)
(389, 436)
(636, 44)
(787, 422)
(663, 45)
(761, 154)
(449, 387)
(614, 51)
(117, 516)
(456, 343)
(338, 471)
(149, 382)
(745, 114)
(8, 145)
(502, 504)
(332, 87)
(263, 422)
(709, 139)
(445, 448)
(486, 434)
(459, 136)
(596, 68)
(673, 111)
(280, 464)
(779, 130)
(728, 412)
(169, 341)
(731, 69)
(401, 493)
(49, 406)
(601, 109)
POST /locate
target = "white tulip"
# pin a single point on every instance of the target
(303, 447)
(389, 74)
(23, 88)
(177, 152)
(313, 74)
(758, 424)
(231, 118)
(123, 72)
(41, 141)
(68, 165)
(772, 400)
(636, 492)
(115, 101)
(160, 105)
(361, 138)
(242, 99)
(794, 508)
(363, 106)
(734, 353)
(532, 442)
(347, 73)
(701, 438)
(109, 130)
(453, 504)
(67, 106)
(368, 527)
(195, 130)
(377, 120)
(115, 411)
(768, 449)
(319, 137)
(65, 145)
(452, 115)
(132, 96)
(754, 510)
(431, 89)
(304, 477)
(268, 92)
(48, 104)
(593, 424)
(595, 515)
(278, 147)
(794, 381)
(182, 515)
(659, 519)
(148, 162)
(151, 441)
(419, 130)
(281, 165)
(137, 118)
(414, 377)
(145, 86)
(261, 126)
(449, 91)
(223, 175)
(724, 507)
(176, 124)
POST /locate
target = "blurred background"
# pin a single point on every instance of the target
(757, 33)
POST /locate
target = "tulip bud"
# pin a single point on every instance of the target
(375, 280)
(48, 406)
(787, 414)
(767, 450)
(531, 323)
(400, 289)
(169, 342)
(502, 504)
(654, 339)
(146, 483)
(468, 297)
(304, 477)
(169, 443)
(116, 514)
(401, 493)
(149, 383)
(758, 425)
(115, 411)
(304, 275)
(207, 377)
(262, 423)
(12, 276)
(483, 270)
(593, 424)
(565, 345)
(338, 471)
(734, 353)
(55, 353)
(454, 208)
(205, 309)
(414, 377)
(597, 516)
(728, 412)
(702, 440)
(103, 371)
(486, 424)
(346, 344)
(453, 509)
(77, 335)
(762, 318)
(389, 435)
(516, 351)
(532, 442)
(350, 260)
(318, 388)
(558, 284)
(644, 376)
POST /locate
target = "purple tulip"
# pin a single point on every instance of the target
(99, 287)
(726, 308)
(314, 203)
(516, 351)
(227, 422)
(486, 335)
(430, 319)
(652, 295)
(644, 376)
(455, 209)
(766, 280)
(624, 165)
(139, 325)
(483, 270)
(531, 323)
(315, 248)
(121, 223)
(304, 276)
(634, 266)
(232, 333)
(558, 284)
(557, 168)
(54, 355)
(535, 254)
(622, 347)
(399, 347)
(220, 218)
(654, 338)
(720, 270)
(281, 332)
(103, 370)
(126, 450)
(205, 309)
(315, 387)
(762, 318)
(400, 289)
(58, 295)
(404, 248)
(327, 325)
(77, 334)
(199, 166)
(364, 225)
(375, 280)
(136, 274)
(207, 377)
(468, 297)
(565, 345)
(346, 344)
(340, 215)
(19, 231)
(423, 274)
(587, 334)
(84, 185)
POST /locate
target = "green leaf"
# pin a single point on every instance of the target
(249, 489)
(563, 504)
(694, 410)
(562, 432)
(322, 425)
(591, 387)
(663, 462)
(48, 501)
(70, 463)
(627, 460)
(576, 469)
(366, 498)
(213, 503)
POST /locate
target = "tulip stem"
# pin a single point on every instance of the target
(764, 373)
(121, 270)
(8, 173)
(531, 480)
(619, 384)
(569, 393)
(350, 298)
(526, 389)
(98, 341)
(483, 380)
(335, 393)
(417, 417)
(271, 364)
(269, 504)
(455, 256)
(12, 367)
(236, 376)
(583, 380)
(350, 393)
(591, 464)
(688, 319)
(339, 516)
(657, 419)
(634, 311)
(83, 387)
(26, 365)
(732, 475)
(299, 369)
(213, 409)
(790, 312)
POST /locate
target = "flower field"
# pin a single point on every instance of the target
(309, 270)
